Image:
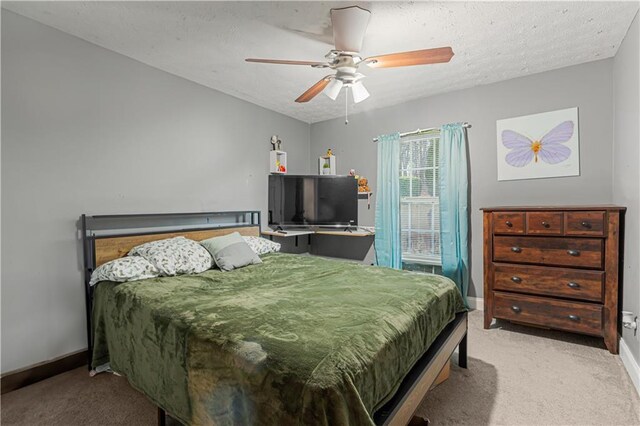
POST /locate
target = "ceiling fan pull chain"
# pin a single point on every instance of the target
(346, 105)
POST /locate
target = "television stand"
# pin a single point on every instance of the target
(279, 232)
(347, 232)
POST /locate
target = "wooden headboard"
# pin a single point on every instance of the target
(110, 248)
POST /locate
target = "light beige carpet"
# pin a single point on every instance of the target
(517, 376)
(521, 375)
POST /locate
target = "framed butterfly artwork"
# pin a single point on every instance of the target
(539, 145)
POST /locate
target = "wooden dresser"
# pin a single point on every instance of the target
(554, 267)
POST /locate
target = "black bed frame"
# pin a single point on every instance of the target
(396, 411)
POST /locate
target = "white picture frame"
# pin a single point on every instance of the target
(537, 146)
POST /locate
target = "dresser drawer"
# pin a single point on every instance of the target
(560, 282)
(584, 223)
(547, 312)
(508, 223)
(574, 252)
(544, 223)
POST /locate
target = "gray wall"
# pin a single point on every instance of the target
(86, 130)
(626, 178)
(587, 86)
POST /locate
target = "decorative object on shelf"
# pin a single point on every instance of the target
(327, 164)
(363, 184)
(277, 162)
(539, 145)
(276, 144)
(363, 187)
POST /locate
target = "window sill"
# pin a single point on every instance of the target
(421, 261)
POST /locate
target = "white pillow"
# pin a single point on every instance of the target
(261, 245)
(175, 256)
(123, 270)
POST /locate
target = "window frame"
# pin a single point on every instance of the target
(409, 257)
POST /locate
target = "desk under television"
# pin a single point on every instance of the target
(296, 233)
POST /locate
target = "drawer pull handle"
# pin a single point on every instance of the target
(573, 285)
(516, 309)
(545, 224)
(586, 225)
(574, 318)
(573, 252)
(516, 249)
(516, 279)
(508, 223)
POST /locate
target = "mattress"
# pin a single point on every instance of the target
(294, 340)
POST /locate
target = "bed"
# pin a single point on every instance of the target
(294, 340)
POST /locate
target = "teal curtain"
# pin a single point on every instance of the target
(454, 206)
(388, 246)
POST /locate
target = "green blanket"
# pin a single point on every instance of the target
(295, 340)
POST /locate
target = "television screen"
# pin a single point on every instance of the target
(313, 201)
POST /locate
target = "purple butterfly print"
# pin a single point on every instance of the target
(549, 148)
(521, 153)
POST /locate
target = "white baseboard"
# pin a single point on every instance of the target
(476, 303)
(630, 364)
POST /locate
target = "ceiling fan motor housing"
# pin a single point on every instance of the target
(345, 65)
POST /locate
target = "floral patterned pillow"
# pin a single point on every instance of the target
(123, 270)
(261, 245)
(175, 256)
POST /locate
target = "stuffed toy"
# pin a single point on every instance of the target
(363, 185)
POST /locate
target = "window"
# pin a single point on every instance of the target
(419, 202)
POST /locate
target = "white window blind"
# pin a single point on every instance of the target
(419, 200)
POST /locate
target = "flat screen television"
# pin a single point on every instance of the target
(296, 201)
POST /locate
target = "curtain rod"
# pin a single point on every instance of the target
(423, 131)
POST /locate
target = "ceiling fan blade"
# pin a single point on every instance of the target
(416, 57)
(349, 25)
(285, 62)
(314, 90)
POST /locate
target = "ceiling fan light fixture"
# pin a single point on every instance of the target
(359, 92)
(333, 89)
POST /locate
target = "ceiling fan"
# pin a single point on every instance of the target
(349, 25)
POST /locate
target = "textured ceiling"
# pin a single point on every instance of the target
(207, 42)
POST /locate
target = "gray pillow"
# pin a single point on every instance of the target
(230, 251)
